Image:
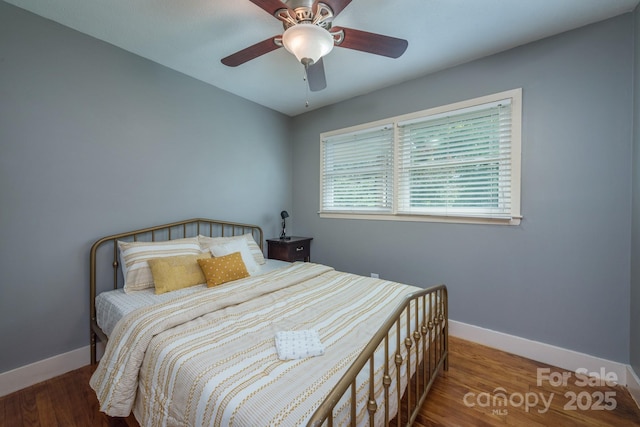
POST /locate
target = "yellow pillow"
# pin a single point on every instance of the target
(223, 269)
(176, 272)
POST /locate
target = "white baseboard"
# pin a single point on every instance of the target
(43, 370)
(633, 384)
(541, 352)
(26, 376)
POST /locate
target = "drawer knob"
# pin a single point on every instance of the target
(300, 249)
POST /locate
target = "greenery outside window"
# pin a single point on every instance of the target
(456, 163)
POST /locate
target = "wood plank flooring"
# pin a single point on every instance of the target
(466, 394)
(463, 396)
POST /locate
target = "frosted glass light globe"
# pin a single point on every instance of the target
(308, 42)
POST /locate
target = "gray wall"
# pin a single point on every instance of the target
(635, 230)
(562, 277)
(94, 141)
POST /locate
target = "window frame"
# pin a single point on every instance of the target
(513, 218)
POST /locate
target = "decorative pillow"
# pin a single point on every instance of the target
(238, 245)
(254, 248)
(134, 257)
(223, 269)
(177, 272)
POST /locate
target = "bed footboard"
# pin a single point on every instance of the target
(422, 319)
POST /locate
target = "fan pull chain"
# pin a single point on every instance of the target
(306, 85)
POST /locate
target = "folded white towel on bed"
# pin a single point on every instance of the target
(298, 344)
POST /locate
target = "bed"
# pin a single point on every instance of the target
(221, 355)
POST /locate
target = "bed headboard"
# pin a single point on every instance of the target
(101, 262)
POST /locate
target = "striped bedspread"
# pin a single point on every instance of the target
(209, 358)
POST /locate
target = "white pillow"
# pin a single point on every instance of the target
(206, 242)
(237, 245)
(134, 256)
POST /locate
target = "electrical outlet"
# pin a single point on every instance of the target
(375, 275)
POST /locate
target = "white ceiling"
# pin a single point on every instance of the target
(191, 36)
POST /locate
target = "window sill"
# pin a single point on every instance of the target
(422, 218)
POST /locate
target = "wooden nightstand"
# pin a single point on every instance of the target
(293, 249)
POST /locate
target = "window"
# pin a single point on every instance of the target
(457, 163)
(358, 171)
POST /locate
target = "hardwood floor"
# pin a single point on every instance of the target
(463, 396)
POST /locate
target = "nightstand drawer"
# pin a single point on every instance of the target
(299, 251)
(293, 249)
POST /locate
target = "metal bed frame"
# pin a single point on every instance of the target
(429, 335)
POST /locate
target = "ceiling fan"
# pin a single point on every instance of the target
(309, 35)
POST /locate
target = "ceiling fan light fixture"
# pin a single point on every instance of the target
(307, 42)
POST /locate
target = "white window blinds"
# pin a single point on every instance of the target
(357, 171)
(457, 163)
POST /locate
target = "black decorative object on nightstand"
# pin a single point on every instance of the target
(284, 215)
(293, 249)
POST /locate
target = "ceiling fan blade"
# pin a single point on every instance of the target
(371, 42)
(336, 5)
(251, 52)
(272, 6)
(316, 77)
